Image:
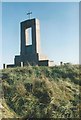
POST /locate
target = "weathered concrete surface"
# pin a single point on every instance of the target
(31, 54)
(35, 26)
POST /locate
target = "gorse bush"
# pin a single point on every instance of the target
(42, 92)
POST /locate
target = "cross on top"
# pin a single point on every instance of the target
(29, 14)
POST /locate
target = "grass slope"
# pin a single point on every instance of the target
(42, 92)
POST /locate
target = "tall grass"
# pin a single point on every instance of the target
(42, 92)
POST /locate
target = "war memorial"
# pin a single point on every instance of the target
(30, 54)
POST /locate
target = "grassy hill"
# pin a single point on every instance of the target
(41, 92)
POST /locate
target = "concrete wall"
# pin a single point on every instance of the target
(35, 26)
(51, 63)
(43, 63)
(27, 59)
(42, 57)
(31, 54)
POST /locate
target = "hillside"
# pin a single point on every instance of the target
(41, 92)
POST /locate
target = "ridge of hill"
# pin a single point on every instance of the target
(42, 92)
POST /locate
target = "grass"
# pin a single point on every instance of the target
(42, 92)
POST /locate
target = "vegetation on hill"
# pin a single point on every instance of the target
(42, 92)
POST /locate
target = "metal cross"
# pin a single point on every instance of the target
(29, 14)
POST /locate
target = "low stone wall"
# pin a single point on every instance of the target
(43, 63)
